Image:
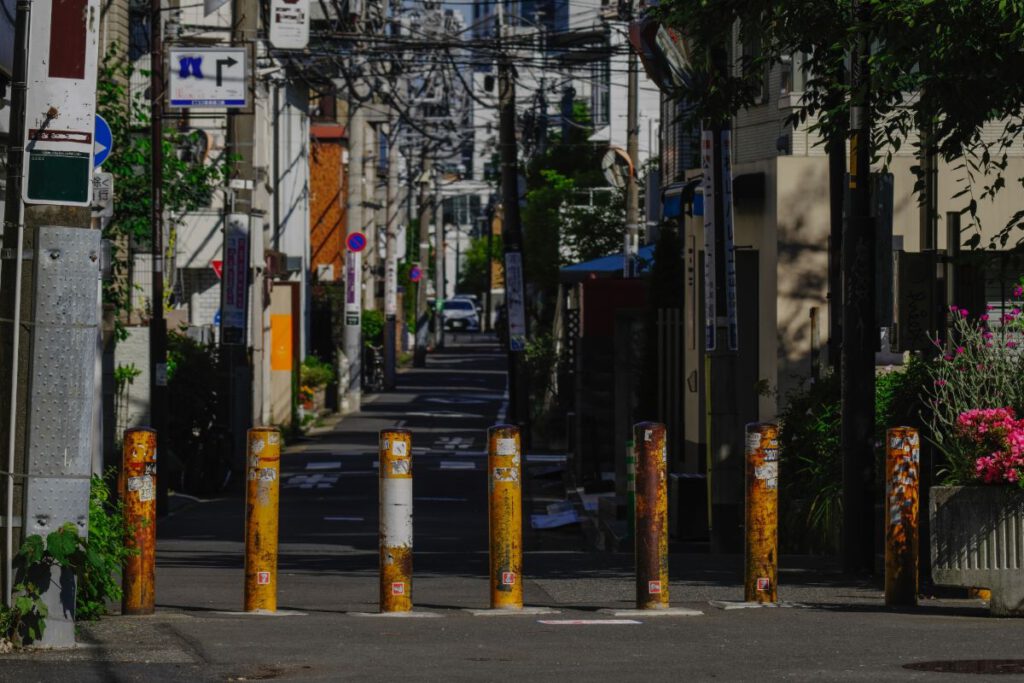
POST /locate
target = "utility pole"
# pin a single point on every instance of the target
(370, 259)
(393, 211)
(48, 313)
(157, 323)
(632, 150)
(725, 457)
(241, 142)
(438, 267)
(860, 330)
(353, 334)
(515, 271)
(426, 215)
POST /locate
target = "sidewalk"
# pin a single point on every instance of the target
(834, 629)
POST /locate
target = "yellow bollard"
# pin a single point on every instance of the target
(139, 496)
(901, 530)
(263, 453)
(762, 514)
(651, 516)
(395, 520)
(505, 507)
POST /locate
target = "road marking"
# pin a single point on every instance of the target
(309, 481)
(323, 465)
(457, 465)
(587, 622)
(343, 519)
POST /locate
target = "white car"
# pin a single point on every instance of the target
(460, 314)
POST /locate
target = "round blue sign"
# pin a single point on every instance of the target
(356, 242)
(415, 274)
(103, 142)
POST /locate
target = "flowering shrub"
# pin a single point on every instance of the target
(998, 437)
(975, 392)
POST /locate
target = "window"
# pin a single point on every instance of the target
(458, 305)
(600, 92)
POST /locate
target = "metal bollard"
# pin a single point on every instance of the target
(505, 509)
(762, 514)
(261, 514)
(139, 495)
(651, 516)
(901, 531)
(395, 520)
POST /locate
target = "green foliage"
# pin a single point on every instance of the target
(811, 467)
(105, 552)
(315, 373)
(196, 387)
(811, 458)
(474, 278)
(372, 327)
(25, 621)
(540, 357)
(950, 66)
(189, 181)
(124, 376)
(982, 368)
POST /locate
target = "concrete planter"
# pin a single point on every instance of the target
(977, 540)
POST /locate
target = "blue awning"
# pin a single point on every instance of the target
(606, 266)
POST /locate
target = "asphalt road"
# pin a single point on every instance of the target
(831, 629)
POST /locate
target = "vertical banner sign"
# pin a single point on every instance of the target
(730, 242)
(707, 166)
(235, 280)
(391, 288)
(515, 301)
(60, 103)
(289, 24)
(353, 267)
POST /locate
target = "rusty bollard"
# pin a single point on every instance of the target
(505, 509)
(395, 520)
(651, 516)
(761, 569)
(901, 531)
(261, 505)
(139, 495)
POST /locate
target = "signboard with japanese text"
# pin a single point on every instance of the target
(515, 301)
(730, 242)
(60, 102)
(289, 24)
(707, 165)
(209, 77)
(235, 279)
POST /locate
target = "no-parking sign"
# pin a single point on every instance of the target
(356, 242)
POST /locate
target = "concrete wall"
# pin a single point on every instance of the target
(134, 350)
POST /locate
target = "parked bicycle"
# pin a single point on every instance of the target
(373, 368)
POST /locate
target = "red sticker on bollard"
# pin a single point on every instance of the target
(508, 578)
(398, 588)
(262, 578)
(763, 584)
(653, 587)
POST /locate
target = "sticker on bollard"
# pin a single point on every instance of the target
(262, 578)
(398, 588)
(508, 578)
(654, 587)
(505, 508)
(651, 516)
(761, 565)
(763, 583)
(396, 521)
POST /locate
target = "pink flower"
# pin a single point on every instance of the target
(947, 357)
(941, 382)
(1011, 344)
(983, 317)
(964, 312)
(986, 335)
(1018, 292)
(960, 350)
(954, 308)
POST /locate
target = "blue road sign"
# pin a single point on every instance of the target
(415, 274)
(102, 142)
(356, 242)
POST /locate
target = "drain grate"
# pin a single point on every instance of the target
(970, 666)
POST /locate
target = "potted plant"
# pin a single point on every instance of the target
(314, 376)
(975, 406)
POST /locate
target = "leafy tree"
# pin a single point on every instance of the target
(474, 277)
(950, 66)
(189, 181)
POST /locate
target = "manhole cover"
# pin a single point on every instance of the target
(971, 666)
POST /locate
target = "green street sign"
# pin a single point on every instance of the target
(59, 177)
